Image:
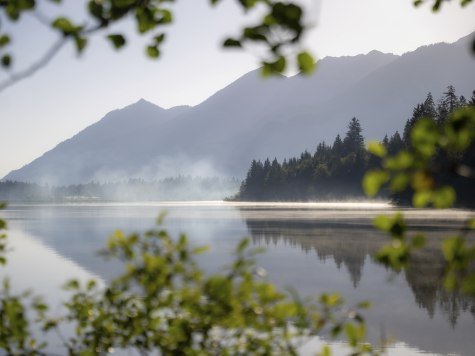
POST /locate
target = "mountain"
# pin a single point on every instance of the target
(102, 150)
(256, 118)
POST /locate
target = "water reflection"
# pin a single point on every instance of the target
(350, 244)
(310, 247)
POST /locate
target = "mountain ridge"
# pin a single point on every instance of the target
(254, 118)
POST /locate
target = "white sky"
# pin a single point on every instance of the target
(72, 93)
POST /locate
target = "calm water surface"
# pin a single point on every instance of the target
(314, 248)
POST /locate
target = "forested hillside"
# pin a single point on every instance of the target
(335, 171)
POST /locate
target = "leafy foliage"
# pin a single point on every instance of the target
(164, 302)
(434, 147)
(278, 31)
(437, 4)
(417, 170)
(3, 236)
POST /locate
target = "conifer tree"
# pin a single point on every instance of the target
(429, 107)
(442, 112)
(354, 140)
(395, 143)
(425, 109)
(274, 180)
(337, 148)
(472, 99)
(450, 99)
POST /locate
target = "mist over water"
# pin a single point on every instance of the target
(185, 188)
(313, 247)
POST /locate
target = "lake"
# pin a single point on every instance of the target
(313, 247)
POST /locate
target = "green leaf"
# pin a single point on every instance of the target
(401, 161)
(123, 3)
(199, 250)
(468, 284)
(351, 334)
(288, 15)
(395, 224)
(91, 284)
(65, 26)
(117, 40)
(255, 34)
(159, 38)
(424, 137)
(96, 9)
(422, 180)
(4, 40)
(273, 68)
(166, 18)
(231, 42)
(145, 19)
(377, 148)
(248, 3)
(153, 52)
(161, 217)
(12, 11)
(364, 305)
(326, 351)
(451, 247)
(373, 181)
(26, 4)
(80, 42)
(383, 222)
(444, 197)
(399, 182)
(6, 61)
(421, 198)
(72, 285)
(242, 245)
(460, 129)
(305, 62)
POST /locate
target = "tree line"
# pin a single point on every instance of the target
(335, 171)
(172, 188)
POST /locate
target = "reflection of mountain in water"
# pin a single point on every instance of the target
(79, 241)
(350, 243)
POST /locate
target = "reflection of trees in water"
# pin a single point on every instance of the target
(425, 277)
(349, 243)
(346, 246)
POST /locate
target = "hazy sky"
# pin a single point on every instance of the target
(72, 93)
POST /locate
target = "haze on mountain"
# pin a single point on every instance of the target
(254, 118)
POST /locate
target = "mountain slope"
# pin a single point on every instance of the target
(382, 100)
(105, 146)
(255, 118)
